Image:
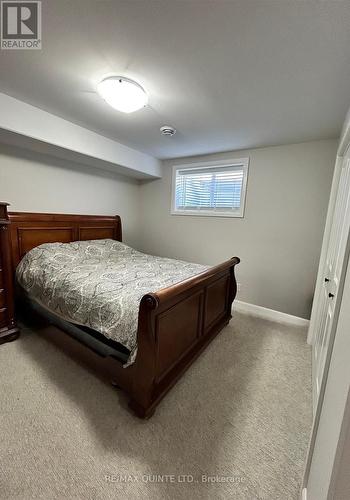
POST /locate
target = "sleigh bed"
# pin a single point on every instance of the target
(175, 323)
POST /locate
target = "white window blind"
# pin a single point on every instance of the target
(210, 190)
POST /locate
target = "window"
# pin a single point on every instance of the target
(215, 189)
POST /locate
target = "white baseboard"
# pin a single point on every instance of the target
(271, 314)
(304, 494)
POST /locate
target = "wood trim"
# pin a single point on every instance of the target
(56, 231)
(183, 286)
(41, 228)
(149, 385)
(52, 217)
(104, 231)
(188, 341)
(8, 327)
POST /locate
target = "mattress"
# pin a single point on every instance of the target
(99, 284)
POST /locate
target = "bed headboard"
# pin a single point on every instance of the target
(28, 230)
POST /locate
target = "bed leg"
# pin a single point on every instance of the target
(140, 411)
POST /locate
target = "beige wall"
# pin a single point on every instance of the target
(278, 240)
(38, 183)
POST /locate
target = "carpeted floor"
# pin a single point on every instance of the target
(242, 413)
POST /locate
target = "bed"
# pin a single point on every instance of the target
(174, 324)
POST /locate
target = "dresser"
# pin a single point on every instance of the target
(8, 328)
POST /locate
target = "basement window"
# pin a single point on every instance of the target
(210, 189)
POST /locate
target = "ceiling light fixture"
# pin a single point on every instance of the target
(122, 94)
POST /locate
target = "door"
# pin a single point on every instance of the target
(334, 265)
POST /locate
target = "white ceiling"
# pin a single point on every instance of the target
(227, 74)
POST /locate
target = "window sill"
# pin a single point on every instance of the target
(225, 215)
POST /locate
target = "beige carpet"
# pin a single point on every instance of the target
(242, 412)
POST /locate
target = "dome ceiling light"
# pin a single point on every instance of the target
(122, 94)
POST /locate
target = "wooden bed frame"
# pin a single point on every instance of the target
(175, 324)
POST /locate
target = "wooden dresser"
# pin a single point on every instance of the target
(8, 328)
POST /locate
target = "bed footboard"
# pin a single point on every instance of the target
(175, 325)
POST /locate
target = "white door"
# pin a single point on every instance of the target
(332, 275)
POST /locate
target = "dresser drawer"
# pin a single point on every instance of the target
(3, 317)
(2, 298)
(8, 328)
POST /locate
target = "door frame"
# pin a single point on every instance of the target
(318, 407)
(325, 242)
(344, 144)
(334, 269)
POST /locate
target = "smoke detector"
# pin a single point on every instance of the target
(167, 130)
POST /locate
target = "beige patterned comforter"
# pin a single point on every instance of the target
(98, 283)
